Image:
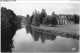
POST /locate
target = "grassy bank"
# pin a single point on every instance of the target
(62, 30)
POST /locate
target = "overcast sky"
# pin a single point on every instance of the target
(28, 8)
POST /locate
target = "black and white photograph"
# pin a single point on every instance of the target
(40, 27)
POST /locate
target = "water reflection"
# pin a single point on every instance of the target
(43, 36)
(28, 29)
(36, 35)
(46, 36)
(24, 42)
(28, 40)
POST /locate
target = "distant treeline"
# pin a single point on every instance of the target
(38, 18)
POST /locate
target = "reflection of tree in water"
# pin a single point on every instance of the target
(36, 35)
(44, 36)
(28, 29)
(47, 37)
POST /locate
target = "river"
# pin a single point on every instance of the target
(26, 40)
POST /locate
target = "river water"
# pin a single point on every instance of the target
(26, 40)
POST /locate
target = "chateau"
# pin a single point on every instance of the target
(63, 19)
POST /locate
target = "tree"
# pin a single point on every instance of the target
(42, 15)
(54, 19)
(8, 29)
(36, 19)
(47, 20)
(28, 19)
(53, 13)
(76, 18)
(7, 17)
(19, 19)
(50, 19)
(31, 19)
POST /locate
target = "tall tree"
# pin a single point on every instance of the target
(50, 19)
(8, 29)
(42, 15)
(28, 19)
(76, 18)
(36, 19)
(31, 19)
(54, 19)
(47, 20)
(19, 19)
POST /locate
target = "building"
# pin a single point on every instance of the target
(63, 19)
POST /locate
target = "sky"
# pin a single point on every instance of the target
(24, 8)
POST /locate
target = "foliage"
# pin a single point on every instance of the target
(7, 17)
(36, 19)
(8, 29)
(74, 18)
(47, 20)
(50, 20)
(53, 20)
(31, 19)
(19, 19)
(27, 19)
(42, 15)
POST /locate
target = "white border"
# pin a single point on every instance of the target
(40, 2)
(44, 2)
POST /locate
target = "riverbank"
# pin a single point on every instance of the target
(62, 30)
